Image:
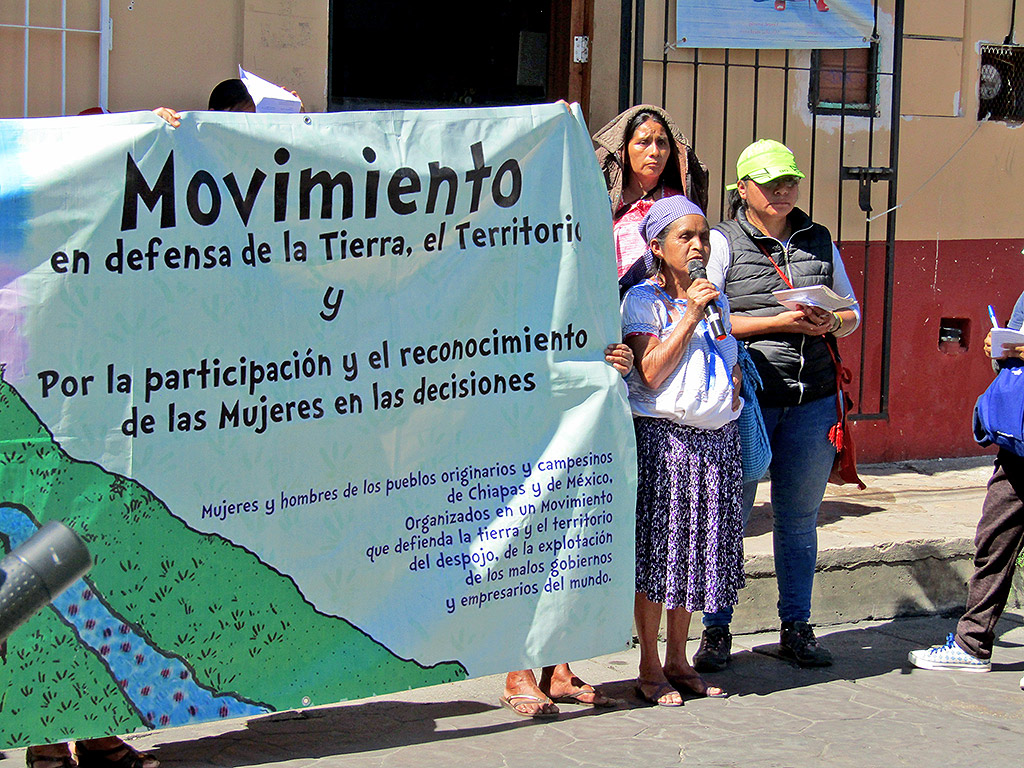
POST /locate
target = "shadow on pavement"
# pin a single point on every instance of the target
(860, 653)
(873, 656)
(830, 512)
(346, 729)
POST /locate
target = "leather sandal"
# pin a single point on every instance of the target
(514, 703)
(695, 685)
(661, 690)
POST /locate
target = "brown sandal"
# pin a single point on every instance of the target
(597, 699)
(695, 685)
(514, 701)
(661, 690)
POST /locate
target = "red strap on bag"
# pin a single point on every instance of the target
(844, 469)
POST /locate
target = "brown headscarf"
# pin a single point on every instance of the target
(609, 145)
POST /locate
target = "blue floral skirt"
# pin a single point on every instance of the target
(689, 517)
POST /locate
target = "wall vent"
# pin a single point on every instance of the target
(1001, 83)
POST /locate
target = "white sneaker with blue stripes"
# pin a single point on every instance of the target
(948, 656)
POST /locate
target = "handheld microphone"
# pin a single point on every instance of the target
(32, 575)
(695, 269)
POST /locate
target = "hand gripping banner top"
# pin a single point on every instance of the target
(325, 396)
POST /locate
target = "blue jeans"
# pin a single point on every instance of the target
(802, 459)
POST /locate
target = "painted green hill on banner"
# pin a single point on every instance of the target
(205, 608)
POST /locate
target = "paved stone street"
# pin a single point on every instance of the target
(870, 709)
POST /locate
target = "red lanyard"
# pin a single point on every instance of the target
(768, 256)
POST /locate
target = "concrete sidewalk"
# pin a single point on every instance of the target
(901, 548)
(904, 546)
(870, 709)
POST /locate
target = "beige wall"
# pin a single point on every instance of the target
(166, 53)
(972, 162)
(287, 40)
(173, 53)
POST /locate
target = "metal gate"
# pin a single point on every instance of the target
(849, 150)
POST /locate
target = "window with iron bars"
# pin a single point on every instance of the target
(1001, 83)
(843, 81)
(64, 50)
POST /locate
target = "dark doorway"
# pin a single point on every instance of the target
(398, 54)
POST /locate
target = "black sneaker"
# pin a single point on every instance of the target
(797, 642)
(715, 650)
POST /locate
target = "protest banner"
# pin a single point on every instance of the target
(789, 24)
(325, 396)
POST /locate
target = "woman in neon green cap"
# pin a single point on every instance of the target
(771, 245)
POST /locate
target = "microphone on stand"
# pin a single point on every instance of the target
(695, 269)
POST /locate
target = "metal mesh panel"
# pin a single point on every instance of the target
(1001, 83)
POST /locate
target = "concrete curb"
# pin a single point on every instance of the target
(903, 547)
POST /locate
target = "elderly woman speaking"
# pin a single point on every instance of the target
(684, 396)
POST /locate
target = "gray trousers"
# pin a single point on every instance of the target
(997, 544)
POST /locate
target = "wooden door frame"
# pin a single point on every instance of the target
(567, 79)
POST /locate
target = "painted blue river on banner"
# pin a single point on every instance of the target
(161, 687)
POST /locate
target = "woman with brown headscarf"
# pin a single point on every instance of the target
(645, 157)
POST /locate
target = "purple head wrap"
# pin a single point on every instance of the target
(661, 214)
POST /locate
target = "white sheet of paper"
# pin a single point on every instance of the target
(267, 96)
(1005, 337)
(813, 296)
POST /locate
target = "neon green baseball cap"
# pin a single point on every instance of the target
(764, 161)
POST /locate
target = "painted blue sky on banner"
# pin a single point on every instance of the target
(774, 23)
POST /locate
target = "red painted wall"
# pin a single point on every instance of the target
(932, 390)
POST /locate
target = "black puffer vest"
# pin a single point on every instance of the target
(795, 368)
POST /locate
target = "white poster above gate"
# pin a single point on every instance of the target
(774, 23)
